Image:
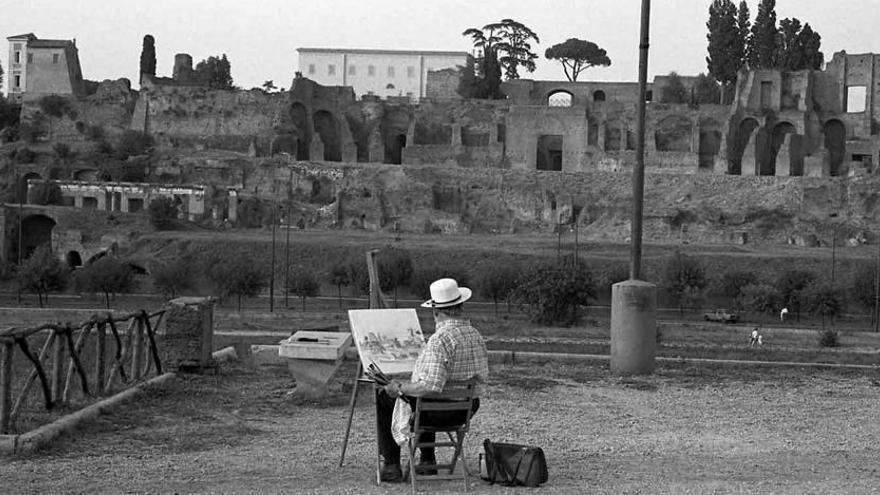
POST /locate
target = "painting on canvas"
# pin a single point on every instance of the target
(390, 338)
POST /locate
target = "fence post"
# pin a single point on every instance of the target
(57, 366)
(6, 387)
(100, 357)
(137, 350)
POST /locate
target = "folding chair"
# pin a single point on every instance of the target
(456, 397)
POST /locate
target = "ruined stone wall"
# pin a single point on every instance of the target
(529, 92)
(195, 116)
(443, 84)
(105, 114)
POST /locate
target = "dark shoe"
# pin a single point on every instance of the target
(391, 473)
(427, 466)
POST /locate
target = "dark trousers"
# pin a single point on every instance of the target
(388, 448)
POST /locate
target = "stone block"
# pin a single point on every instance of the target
(312, 345)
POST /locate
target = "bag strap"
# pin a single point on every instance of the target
(522, 457)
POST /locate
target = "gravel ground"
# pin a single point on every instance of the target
(685, 429)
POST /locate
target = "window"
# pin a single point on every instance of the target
(54, 58)
(18, 57)
(30, 58)
(390, 71)
(410, 71)
(311, 68)
(17, 81)
(371, 71)
(331, 70)
(856, 97)
(351, 70)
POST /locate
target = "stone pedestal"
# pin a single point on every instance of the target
(313, 358)
(633, 327)
(189, 333)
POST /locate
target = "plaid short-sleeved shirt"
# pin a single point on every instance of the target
(455, 352)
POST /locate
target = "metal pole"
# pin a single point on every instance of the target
(833, 253)
(287, 260)
(20, 225)
(272, 273)
(638, 180)
(877, 291)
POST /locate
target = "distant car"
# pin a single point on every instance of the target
(721, 315)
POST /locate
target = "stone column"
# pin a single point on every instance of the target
(232, 206)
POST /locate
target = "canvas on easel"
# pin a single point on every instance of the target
(389, 338)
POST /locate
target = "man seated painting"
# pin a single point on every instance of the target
(455, 352)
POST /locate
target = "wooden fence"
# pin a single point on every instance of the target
(60, 361)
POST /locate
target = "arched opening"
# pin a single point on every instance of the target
(835, 143)
(325, 126)
(22, 193)
(744, 134)
(673, 134)
(73, 259)
(598, 95)
(559, 98)
(299, 116)
(395, 125)
(777, 139)
(710, 145)
(36, 230)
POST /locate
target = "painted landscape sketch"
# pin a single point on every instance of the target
(389, 338)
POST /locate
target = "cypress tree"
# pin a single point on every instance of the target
(723, 61)
(148, 56)
(763, 38)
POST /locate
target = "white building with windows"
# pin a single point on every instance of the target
(382, 73)
(38, 66)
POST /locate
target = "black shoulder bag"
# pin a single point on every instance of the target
(511, 464)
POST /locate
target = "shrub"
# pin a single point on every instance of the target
(554, 292)
(339, 276)
(829, 338)
(303, 282)
(864, 287)
(62, 150)
(42, 272)
(173, 277)
(236, 273)
(108, 275)
(732, 283)
(824, 300)
(760, 298)
(94, 132)
(684, 278)
(791, 286)
(134, 143)
(25, 155)
(163, 213)
(497, 281)
(395, 269)
(55, 105)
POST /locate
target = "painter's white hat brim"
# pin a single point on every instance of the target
(463, 295)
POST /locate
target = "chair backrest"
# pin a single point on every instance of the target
(456, 396)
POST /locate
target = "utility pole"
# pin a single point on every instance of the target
(634, 301)
(287, 259)
(877, 291)
(272, 273)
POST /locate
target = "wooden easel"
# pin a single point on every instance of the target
(377, 301)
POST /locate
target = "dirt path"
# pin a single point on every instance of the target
(685, 429)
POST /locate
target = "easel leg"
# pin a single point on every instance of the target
(351, 404)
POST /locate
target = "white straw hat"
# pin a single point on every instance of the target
(446, 292)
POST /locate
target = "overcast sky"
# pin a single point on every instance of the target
(260, 37)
